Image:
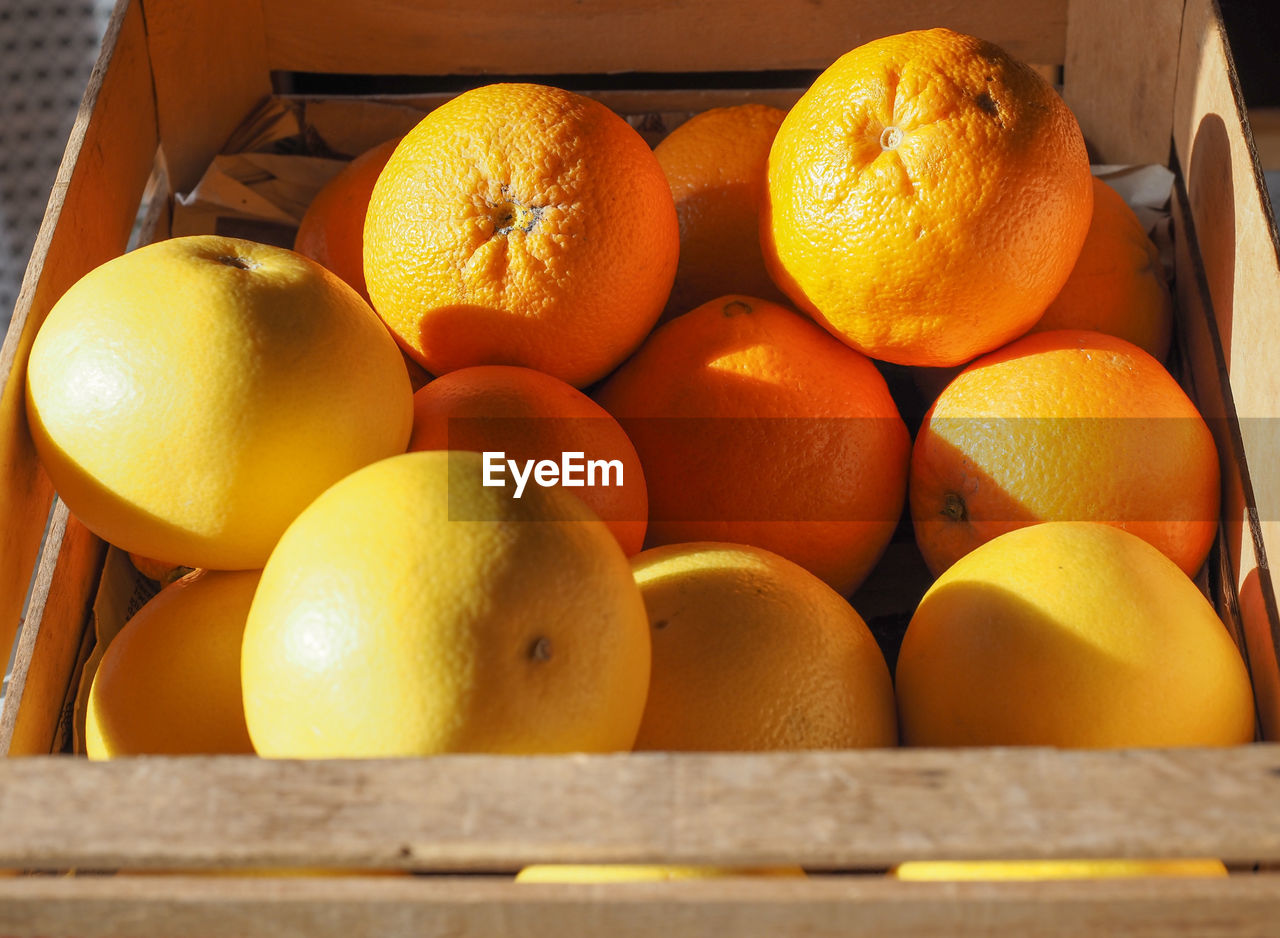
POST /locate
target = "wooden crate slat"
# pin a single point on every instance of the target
(829, 810)
(1120, 90)
(49, 649)
(568, 36)
(102, 176)
(209, 61)
(488, 907)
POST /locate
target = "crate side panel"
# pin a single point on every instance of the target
(50, 647)
(821, 809)
(91, 211)
(1239, 253)
(764, 907)
(1119, 76)
(389, 37)
(1240, 541)
(209, 61)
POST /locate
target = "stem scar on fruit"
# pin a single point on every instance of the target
(540, 649)
(953, 508)
(240, 263)
(736, 308)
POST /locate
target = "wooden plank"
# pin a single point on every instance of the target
(823, 810)
(397, 37)
(209, 61)
(49, 647)
(487, 907)
(104, 170)
(1246, 591)
(1239, 252)
(1121, 90)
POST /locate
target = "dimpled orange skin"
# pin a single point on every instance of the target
(331, 232)
(715, 162)
(756, 427)
(1064, 426)
(520, 224)
(530, 415)
(1117, 285)
(927, 198)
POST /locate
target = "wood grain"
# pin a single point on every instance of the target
(1241, 586)
(484, 907)
(823, 810)
(402, 37)
(209, 61)
(91, 210)
(1239, 258)
(1120, 89)
(49, 647)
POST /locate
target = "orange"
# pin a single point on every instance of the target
(189, 398)
(411, 610)
(756, 427)
(527, 415)
(1072, 634)
(1066, 426)
(332, 230)
(169, 682)
(716, 162)
(1117, 285)
(519, 224)
(752, 652)
(927, 198)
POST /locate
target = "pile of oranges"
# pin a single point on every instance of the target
(367, 452)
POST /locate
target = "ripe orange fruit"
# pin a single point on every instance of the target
(169, 682)
(1117, 285)
(756, 427)
(1070, 634)
(528, 415)
(715, 163)
(332, 230)
(752, 652)
(1064, 426)
(927, 198)
(189, 398)
(411, 610)
(521, 225)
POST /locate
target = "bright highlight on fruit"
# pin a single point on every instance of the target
(1039, 870)
(189, 398)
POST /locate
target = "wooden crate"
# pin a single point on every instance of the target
(1150, 81)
